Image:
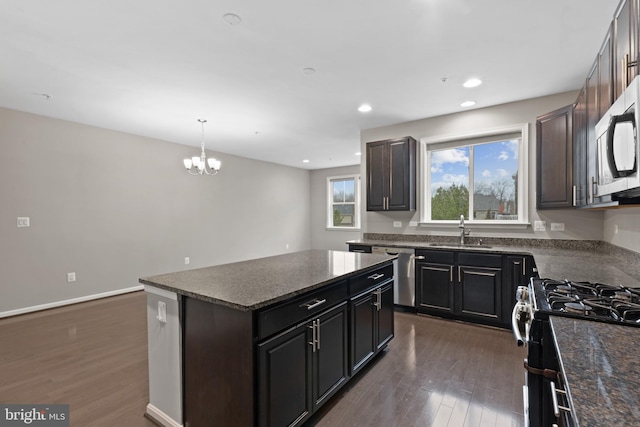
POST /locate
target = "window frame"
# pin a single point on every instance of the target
(466, 139)
(356, 202)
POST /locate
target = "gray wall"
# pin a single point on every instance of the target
(321, 237)
(628, 222)
(579, 224)
(114, 207)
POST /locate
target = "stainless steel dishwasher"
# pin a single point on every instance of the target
(404, 281)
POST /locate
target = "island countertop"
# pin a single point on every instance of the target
(254, 284)
(600, 369)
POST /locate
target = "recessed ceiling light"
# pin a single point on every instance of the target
(468, 104)
(358, 154)
(472, 83)
(305, 161)
(364, 108)
(308, 70)
(232, 18)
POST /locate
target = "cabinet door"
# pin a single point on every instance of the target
(605, 76)
(625, 25)
(434, 286)
(554, 148)
(330, 360)
(385, 316)
(377, 175)
(402, 176)
(593, 116)
(284, 378)
(363, 339)
(580, 150)
(480, 293)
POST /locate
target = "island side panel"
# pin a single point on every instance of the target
(218, 365)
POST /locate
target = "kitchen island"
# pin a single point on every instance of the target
(264, 342)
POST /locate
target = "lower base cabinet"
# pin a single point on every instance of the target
(371, 324)
(302, 367)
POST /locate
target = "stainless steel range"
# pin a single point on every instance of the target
(545, 402)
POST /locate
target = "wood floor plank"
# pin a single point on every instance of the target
(93, 356)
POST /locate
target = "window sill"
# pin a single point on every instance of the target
(476, 225)
(342, 228)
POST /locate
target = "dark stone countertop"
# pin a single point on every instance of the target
(600, 366)
(250, 285)
(578, 260)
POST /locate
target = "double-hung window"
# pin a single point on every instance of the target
(343, 207)
(480, 176)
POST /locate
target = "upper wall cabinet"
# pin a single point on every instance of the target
(625, 48)
(391, 175)
(604, 75)
(580, 131)
(554, 163)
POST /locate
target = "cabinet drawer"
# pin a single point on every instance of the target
(370, 279)
(360, 248)
(289, 313)
(480, 260)
(437, 257)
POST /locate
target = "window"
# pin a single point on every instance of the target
(482, 177)
(343, 202)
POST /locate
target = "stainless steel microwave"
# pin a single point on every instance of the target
(617, 152)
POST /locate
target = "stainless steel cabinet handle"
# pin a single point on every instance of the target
(554, 398)
(378, 303)
(318, 334)
(419, 257)
(358, 250)
(317, 303)
(313, 336)
(459, 275)
(451, 274)
(524, 266)
(375, 276)
(591, 189)
(574, 195)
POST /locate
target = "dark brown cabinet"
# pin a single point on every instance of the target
(554, 163)
(604, 85)
(580, 131)
(625, 49)
(301, 368)
(479, 287)
(371, 324)
(391, 175)
(435, 282)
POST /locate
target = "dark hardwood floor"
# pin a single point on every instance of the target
(93, 356)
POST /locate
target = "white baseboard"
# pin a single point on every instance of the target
(160, 417)
(69, 301)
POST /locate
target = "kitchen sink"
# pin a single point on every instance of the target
(458, 245)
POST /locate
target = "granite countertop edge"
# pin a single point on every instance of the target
(160, 281)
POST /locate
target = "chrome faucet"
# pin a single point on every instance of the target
(463, 232)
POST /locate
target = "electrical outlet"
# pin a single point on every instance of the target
(23, 221)
(615, 228)
(187, 260)
(557, 226)
(286, 246)
(539, 225)
(413, 223)
(397, 224)
(71, 277)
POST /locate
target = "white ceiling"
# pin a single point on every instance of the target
(153, 68)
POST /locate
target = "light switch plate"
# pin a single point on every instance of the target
(397, 224)
(23, 221)
(557, 226)
(413, 223)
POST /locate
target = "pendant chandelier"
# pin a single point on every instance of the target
(201, 165)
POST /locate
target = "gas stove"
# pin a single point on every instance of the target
(586, 300)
